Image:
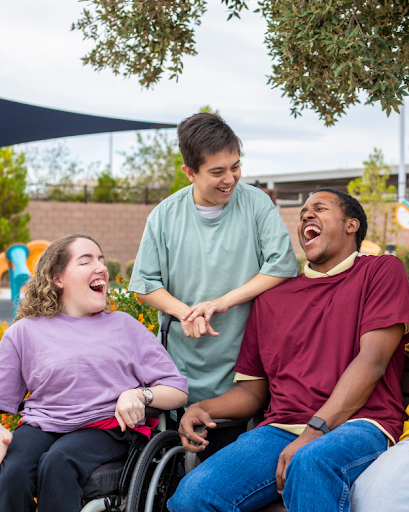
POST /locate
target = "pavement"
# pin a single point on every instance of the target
(6, 306)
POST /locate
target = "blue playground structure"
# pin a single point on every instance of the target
(19, 274)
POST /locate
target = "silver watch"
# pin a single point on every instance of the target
(148, 395)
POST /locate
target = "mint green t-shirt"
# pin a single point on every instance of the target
(198, 259)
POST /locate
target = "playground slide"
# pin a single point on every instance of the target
(20, 260)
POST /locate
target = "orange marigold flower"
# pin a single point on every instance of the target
(113, 308)
(151, 327)
(140, 301)
(118, 279)
(141, 318)
(135, 295)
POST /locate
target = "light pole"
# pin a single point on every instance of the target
(402, 167)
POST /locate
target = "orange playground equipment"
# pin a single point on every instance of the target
(20, 260)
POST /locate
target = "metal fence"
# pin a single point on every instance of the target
(83, 193)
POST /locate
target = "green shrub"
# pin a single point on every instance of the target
(129, 267)
(123, 300)
(301, 260)
(113, 266)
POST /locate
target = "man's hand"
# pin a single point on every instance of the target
(6, 438)
(206, 310)
(194, 416)
(288, 453)
(130, 408)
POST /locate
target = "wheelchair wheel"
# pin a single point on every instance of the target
(148, 461)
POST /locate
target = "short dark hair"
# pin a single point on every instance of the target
(203, 135)
(351, 208)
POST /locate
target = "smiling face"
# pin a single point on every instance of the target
(325, 234)
(216, 179)
(84, 280)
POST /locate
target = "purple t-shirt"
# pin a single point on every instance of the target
(76, 368)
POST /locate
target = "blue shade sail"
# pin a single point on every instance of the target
(20, 122)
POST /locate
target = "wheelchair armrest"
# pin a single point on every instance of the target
(191, 459)
(153, 412)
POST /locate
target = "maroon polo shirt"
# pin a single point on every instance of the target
(303, 334)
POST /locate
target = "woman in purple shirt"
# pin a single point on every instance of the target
(86, 372)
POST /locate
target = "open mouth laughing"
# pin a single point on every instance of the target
(311, 233)
(226, 191)
(98, 285)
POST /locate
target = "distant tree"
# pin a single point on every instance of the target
(107, 189)
(323, 52)
(13, 198)
(155, 162)
(53, 165)
(376, 196)
(180, 180)
(208, 108)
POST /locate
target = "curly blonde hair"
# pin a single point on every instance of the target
(42, 294)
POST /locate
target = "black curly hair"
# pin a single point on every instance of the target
(350, 208)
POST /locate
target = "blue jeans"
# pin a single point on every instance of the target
(385, 485)
(241, 476)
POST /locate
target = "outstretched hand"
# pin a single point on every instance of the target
(6, 438)
(193, 417)
(206, 310)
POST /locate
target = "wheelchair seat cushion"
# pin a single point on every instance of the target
(104, 480)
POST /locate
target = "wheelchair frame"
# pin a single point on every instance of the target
(164, 450)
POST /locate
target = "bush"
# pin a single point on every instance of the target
(113, 266)
(129, 267)
(8, 420)
(301, 260)
(123, 300)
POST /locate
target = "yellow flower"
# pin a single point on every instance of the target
(151, 327)
(3, 327)
(135, 295)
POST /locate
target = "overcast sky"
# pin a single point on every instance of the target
(40, 64)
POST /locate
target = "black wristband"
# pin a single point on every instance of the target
(318, 424)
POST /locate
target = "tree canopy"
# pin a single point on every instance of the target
(324, 52)
(13, 198)
(377, 197)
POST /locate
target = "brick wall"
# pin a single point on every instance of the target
(119, 227)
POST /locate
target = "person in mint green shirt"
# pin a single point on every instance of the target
(210, 248)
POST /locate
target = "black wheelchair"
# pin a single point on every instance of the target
(153, 469)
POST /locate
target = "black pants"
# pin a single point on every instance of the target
(219, 438)
(53, 467)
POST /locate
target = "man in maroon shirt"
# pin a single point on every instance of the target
(324, 354)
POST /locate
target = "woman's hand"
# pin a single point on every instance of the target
(130, 408)
(206, 310)
(6, 438)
